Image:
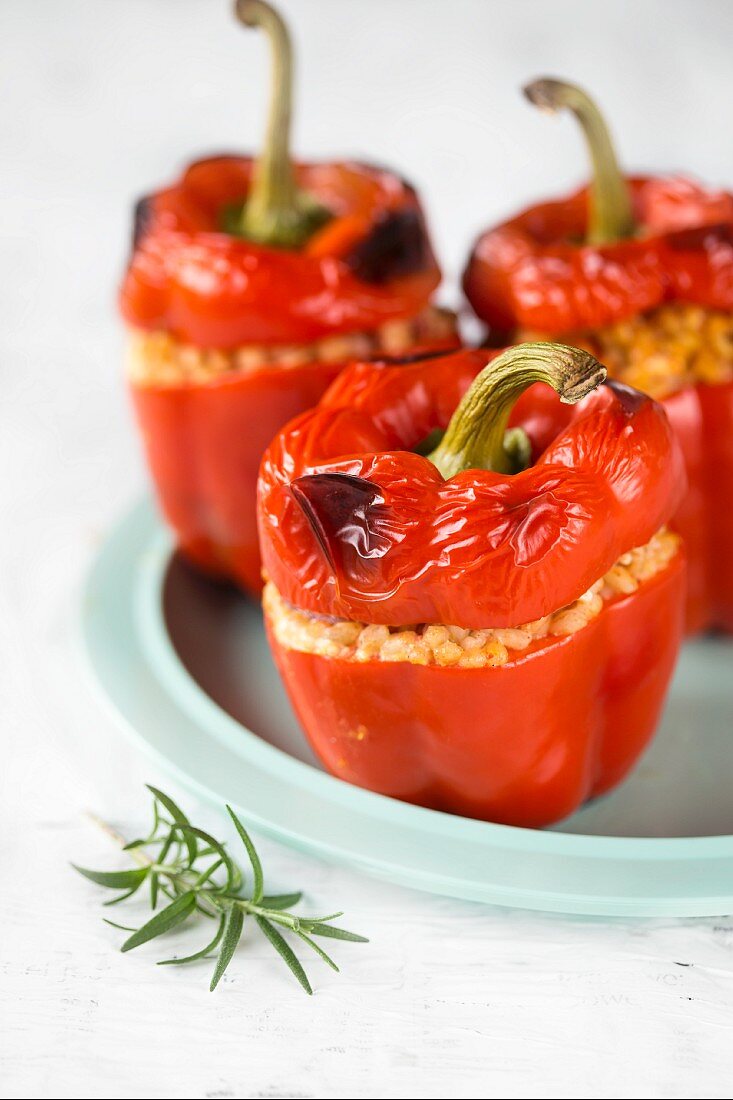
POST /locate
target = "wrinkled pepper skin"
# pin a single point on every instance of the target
(530, 272)
(354, 526)
(525, 744)
(370, 264)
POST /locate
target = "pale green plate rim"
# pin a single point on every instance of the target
(157, 702)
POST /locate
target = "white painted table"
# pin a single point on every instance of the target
(99, 101)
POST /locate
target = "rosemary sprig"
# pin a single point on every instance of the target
(195, 875)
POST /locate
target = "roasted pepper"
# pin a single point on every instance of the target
(640, 272)
(472, 599)
(250, 284)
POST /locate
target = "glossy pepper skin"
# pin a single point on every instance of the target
(534, 272)
(525, 744)
(371, 263)
(531, 272)
(355, 525)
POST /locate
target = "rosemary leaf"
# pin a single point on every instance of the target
(178, 816)
(234, 875)
(127, 894)
(232, 932)
(280, 901)
(284, 949)
(333, 933)
(206, 874)
(257, 888)
(114, 880)
(114, 924)
(318, 950)
(203, 953)
(173, 914)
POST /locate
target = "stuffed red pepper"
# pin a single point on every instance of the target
(473, 598)
(640, 272)
(250, 284)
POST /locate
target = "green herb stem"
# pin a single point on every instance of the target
(214, 890)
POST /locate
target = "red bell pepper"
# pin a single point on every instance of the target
(517, 512)
(624, 249)
(256, 281)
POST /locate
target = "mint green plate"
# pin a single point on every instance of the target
(185, 666)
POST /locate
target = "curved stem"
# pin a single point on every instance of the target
(477, 436)
(610, 216)
(276, 213)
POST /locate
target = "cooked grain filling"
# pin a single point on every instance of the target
(158, 359)
(664, 350)
(454, 645)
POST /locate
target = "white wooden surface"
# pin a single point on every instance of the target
(100, 100)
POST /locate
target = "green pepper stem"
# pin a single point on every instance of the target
(610, 216)
(477, 436)
(276, 213)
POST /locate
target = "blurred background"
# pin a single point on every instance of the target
(102, 102)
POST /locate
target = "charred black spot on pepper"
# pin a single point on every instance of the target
(396, 246)
(703, 236)
(343, 512)
(142, 213)
(629, 399)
